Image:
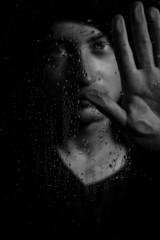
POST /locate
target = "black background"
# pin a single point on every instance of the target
(15, 148)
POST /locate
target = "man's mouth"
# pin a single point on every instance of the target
(85, 103)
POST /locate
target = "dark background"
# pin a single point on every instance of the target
(16, 19)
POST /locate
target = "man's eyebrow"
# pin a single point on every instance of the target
(58, 40)
(54, 41)
(96, 37)
(64, 39)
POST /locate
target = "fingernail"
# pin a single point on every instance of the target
(154, 13)
(118, 22)
(138, 12)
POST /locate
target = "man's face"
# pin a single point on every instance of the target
(80, 58)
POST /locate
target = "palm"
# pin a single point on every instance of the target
(139, 114)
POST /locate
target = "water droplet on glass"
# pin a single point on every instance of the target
(92, 32)
(64, 55)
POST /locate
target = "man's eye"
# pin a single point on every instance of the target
(100, 45)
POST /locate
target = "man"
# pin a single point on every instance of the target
(82, 66)
(86, 185)
(90, 162)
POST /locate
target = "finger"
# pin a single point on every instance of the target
(154, 29)
(122, 48)
(141, 36)
(108, 107)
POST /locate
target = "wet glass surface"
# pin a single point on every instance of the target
(50, 164)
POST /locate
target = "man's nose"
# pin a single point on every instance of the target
(81, 67)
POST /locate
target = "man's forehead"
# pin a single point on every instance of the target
(69, 29)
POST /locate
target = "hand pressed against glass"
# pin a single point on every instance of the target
(139, 114)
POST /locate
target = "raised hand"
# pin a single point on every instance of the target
(139, 114)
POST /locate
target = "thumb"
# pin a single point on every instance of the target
(108, 107)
